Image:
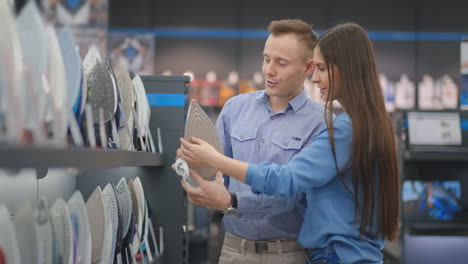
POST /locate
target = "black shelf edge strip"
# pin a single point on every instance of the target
(39, 157)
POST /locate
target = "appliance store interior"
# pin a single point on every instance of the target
(95, 96)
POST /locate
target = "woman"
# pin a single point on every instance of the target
(349, 173)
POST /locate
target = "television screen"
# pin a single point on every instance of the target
(431, 200)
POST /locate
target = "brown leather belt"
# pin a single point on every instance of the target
(287, 245)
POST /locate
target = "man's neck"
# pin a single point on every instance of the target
(279, 103)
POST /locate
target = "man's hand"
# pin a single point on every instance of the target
(211, 194)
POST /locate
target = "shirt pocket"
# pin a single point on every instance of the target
(284, 147)
(243, 142)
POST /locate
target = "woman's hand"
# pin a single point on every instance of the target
(198, 153)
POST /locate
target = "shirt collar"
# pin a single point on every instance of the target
(296, 103)
(262, 95)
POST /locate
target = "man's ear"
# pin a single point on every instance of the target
(310, 67)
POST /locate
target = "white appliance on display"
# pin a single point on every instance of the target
(405, 93)
(8, 240)
(449, 93)
(33, 41)
(388, 92)
(63, 232)
(101, 227)
(426, 93)
(77, 207)
(57, 80)
(11, 88)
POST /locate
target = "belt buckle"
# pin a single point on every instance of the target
(261, 247)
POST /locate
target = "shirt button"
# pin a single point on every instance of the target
(272, 118)
(242, 137)
(286, 145)
(263, 140)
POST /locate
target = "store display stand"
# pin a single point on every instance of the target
(424, 241)
(98, 167)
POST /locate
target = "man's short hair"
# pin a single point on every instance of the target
(304, 31)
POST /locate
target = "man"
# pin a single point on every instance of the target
(266, 126)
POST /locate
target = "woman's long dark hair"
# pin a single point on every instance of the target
(373, 157)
